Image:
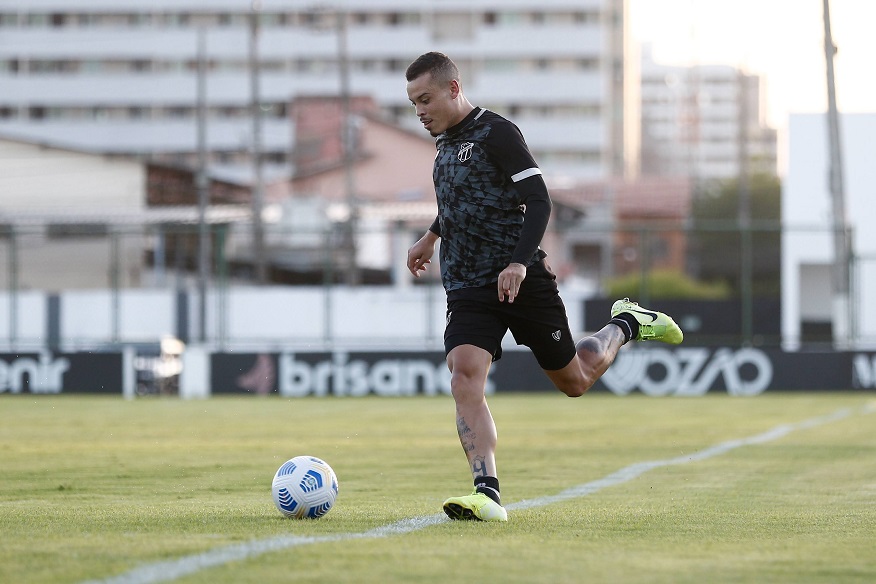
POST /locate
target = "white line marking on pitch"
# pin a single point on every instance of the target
(173, 569)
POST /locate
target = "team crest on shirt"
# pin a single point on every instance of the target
(556, 335)
(465, 151)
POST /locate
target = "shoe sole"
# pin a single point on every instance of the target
(460, 513)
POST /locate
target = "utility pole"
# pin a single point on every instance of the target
(258, 229)
(842, 246)
(202, 185)
(744, 212)
(348, 145)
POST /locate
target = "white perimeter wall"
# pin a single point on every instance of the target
(313, 318)
(806, 202)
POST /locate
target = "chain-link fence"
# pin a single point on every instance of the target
(98, 285)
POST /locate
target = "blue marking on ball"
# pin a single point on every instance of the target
(287, 502)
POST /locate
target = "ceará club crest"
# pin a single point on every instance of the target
(465, 151)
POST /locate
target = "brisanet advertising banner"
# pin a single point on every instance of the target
(338, 373)
(652, 370)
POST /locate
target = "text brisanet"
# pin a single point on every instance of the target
(341, 376)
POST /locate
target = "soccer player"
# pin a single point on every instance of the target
(493, 208)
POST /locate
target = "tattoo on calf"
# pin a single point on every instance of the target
(479, 466)
(466, 435)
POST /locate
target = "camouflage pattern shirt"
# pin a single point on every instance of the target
(484, 176)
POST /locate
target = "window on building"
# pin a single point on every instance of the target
(271, 19)
(273, 65)
(176, 19)
(586, 17)
(274, 157)
(76, 230)
(274, 110)
(501, 65)
(140, 20)
(509, 18)
(138, 112)
(205, 19)
(110, 20)
(37, 66)
(36, 20)
(319, 19)
(8, 20)
(452, 26)
(395, 65)
(411, 19)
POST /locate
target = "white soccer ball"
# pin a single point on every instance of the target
(305, 486)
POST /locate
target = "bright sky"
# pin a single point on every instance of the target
(780, 40)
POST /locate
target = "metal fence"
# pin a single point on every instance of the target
(98, 285)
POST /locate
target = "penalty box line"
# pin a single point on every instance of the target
(170, 570)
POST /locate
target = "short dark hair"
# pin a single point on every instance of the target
(442, 68)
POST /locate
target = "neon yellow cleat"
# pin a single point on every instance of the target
(653, 325)
(476, 507)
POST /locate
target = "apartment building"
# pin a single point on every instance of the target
(703, 122)
(121, 78)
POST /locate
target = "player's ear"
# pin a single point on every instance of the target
(455, 89)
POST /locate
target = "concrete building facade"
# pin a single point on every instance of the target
(703, 122)
(807, 240)
(122, 79)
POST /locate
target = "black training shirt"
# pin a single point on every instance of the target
(487, 183)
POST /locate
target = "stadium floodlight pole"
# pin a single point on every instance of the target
(842, 245)
(202, 186)
(348, 145)
(258, 231)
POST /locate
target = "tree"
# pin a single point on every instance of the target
(716, 240)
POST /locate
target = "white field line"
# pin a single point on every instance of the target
(173, 569)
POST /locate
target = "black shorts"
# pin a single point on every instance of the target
(537, 319)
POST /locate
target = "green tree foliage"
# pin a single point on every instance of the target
(716, 242)
(665, 284)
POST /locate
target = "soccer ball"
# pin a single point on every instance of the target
(304, 486)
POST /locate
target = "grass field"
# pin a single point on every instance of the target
(153, 490)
